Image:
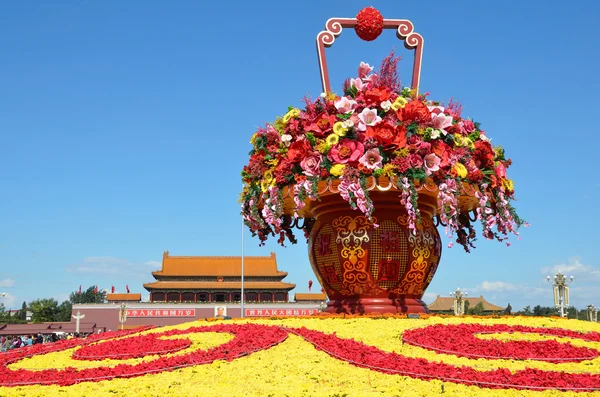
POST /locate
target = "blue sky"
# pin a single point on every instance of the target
(124, 127)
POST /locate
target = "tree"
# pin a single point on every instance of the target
(508, 309)
(64, 311)
(477, 310)
(23, 312)
(572, 312)
(88, 296)
(44, 310)
(467, 304)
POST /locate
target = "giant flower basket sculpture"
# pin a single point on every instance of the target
(370, 174)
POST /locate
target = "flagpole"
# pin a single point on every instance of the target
(242, 314)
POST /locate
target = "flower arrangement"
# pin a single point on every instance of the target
(378, 128)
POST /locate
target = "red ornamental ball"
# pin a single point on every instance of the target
(369, 24)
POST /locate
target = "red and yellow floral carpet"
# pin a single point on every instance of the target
(361, 356)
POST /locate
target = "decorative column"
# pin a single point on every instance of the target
(561, 292)
(459, 302)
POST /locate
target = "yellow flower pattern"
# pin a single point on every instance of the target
(296, 368)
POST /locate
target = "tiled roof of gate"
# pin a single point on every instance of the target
(445, 304)
(219, 266)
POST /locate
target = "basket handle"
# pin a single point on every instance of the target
(404, 31)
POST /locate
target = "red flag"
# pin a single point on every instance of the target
(309, 285)
(127, 288)
(79, 292)
(112, 290)
(96, 290)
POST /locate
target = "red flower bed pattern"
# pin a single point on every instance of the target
(140, 346)
(248, 338)
(461, 341)
(361, 355)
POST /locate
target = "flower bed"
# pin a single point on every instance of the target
(328, 356)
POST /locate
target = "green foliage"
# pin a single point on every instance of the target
(477, 310)
(64, 311)
(88, 296)
(44, 310)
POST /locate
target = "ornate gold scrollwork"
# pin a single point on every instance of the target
(352, 233)
(421, 245)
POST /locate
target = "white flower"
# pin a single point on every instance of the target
(386, 105)
(323, 95)
(435, 134)
(286, 139)
(348, 124)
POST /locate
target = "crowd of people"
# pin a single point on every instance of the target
(15, 341)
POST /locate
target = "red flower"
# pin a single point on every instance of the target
(321, 125)
(483, 154)
(346, 151)
(475, 176)
(402, 164)
(369, 24)
(283, 170)
(298, 150)
(388, 135)
(442, 150)
(414, 112)
(376, 96)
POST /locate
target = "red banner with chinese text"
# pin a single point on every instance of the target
(161, 313)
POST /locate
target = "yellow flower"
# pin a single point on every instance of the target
(332, 139)
(322, 146)
(509, 184)
(339, 129)
(389, 170)
(460, 170)
(399, 103)
(292, 114)
(280, 125)
(401, 152)
(253, 139)
(463, 141)
(331, 97)
(337, 170)
(265, 185)
(268, 175)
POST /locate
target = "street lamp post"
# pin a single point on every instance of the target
(561, 292)
(592, 312)
(459, 302)
(123, 315)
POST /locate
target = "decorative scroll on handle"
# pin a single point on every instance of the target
(404, 31)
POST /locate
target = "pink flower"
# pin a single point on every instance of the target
(501, 170)
(311, 164)
(371, 79)
(371, 159)
(346, 151)
(440, 122)
(432, 163)
(358, 84)
(345, 105)
(368, 117)
(415, 160)
(468, 126)
(364, 69)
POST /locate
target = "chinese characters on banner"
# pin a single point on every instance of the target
(161, 313)
(279, 312)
